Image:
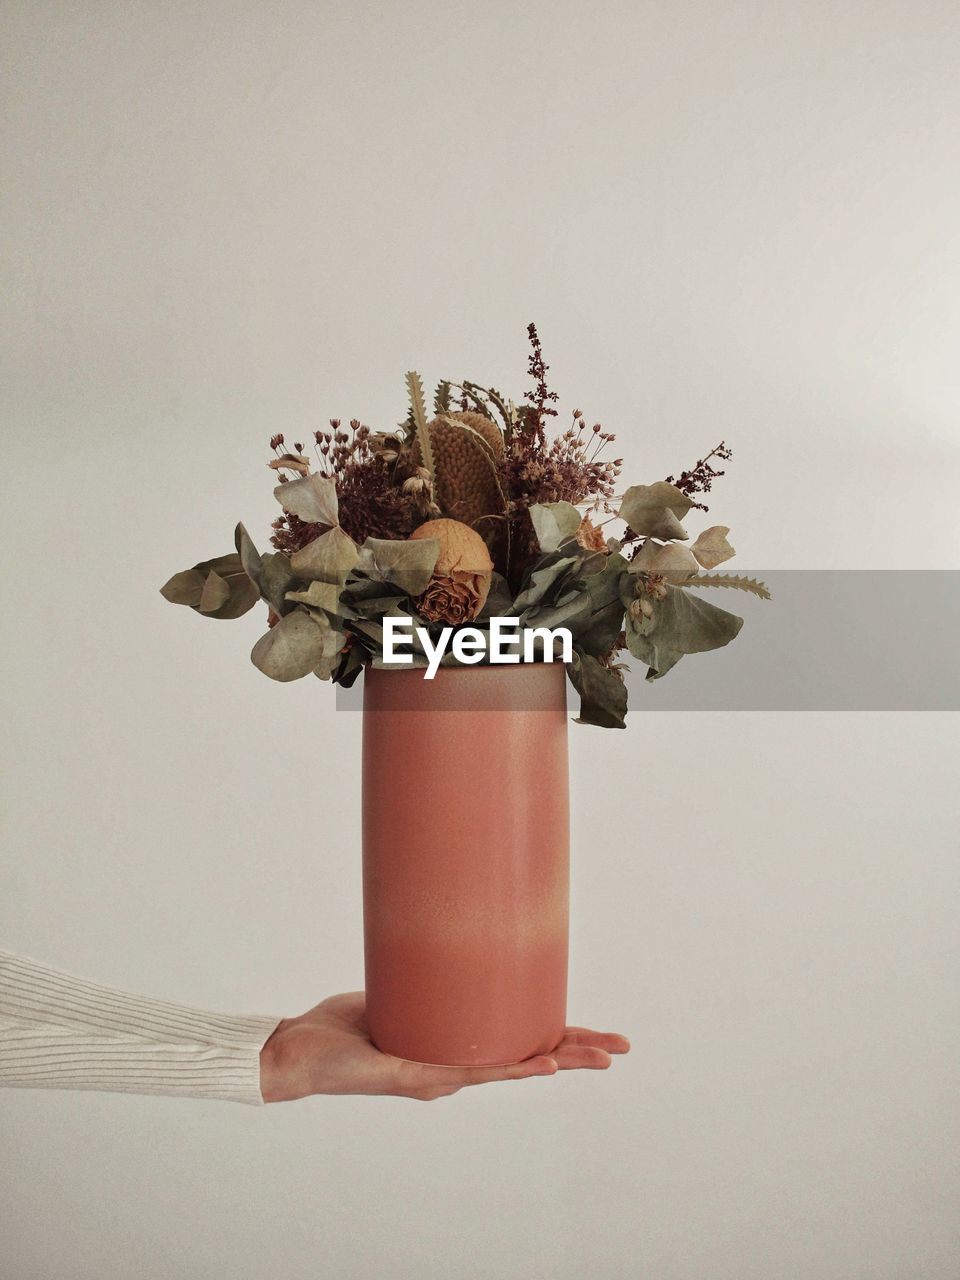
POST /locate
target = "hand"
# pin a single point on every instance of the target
(329, 1050)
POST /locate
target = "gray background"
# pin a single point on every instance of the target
(729, 220)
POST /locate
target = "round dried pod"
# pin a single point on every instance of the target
(460, 583)
(467, 448)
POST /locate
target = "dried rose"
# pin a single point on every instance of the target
(460, 583)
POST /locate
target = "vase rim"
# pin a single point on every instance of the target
(490, 686)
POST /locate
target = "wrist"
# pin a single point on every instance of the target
(271, 1075)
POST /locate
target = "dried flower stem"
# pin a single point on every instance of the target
(700, 477)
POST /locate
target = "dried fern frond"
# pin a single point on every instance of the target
(727, 580)
(419, 414)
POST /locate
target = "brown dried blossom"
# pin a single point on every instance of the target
(568, 469)
(450, 600)
(590, 537)
(385, 491)
(372, 503)
(700, 477)
(460, 583)
(541, 398)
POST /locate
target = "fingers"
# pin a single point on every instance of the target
(458, 1077)
(606, 1040)
(573, 1057)
(580, 1049)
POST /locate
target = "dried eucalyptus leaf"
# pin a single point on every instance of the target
(592, 563)
(416, 660)
(291, 462)
(329, 558)
(320, 595)
(499, 600)
(226, 566)
(326, 666)
(312, 498)
(375, 608)
(596, 631)
(351, 664)
(408, 565)
(293, 648)
(659, 659)
(243, 596)
(669, 557)
(216, 588)
(573, 612)
(364, 598)
(679, 624)
(184, 588)
(712, 548)
(543, 582)
(250, 557)
(603, 582)
(360, 589)
(598, 634)
(332, 654)
(554, 523)
(652, 510)
(371, 630)
(603, 695)
(216, 592)
(276, 579)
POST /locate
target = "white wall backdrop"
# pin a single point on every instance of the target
(732, 220)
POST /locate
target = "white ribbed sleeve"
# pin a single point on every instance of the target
(62, 1032)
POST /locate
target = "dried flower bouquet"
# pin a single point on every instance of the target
(473, 512)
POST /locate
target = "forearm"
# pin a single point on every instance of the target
(62, 1032)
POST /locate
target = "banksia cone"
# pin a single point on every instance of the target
(460, 584)
(467, 450)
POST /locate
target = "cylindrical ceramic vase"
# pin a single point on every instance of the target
(466, 862)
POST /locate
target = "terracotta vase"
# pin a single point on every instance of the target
(465, 862)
